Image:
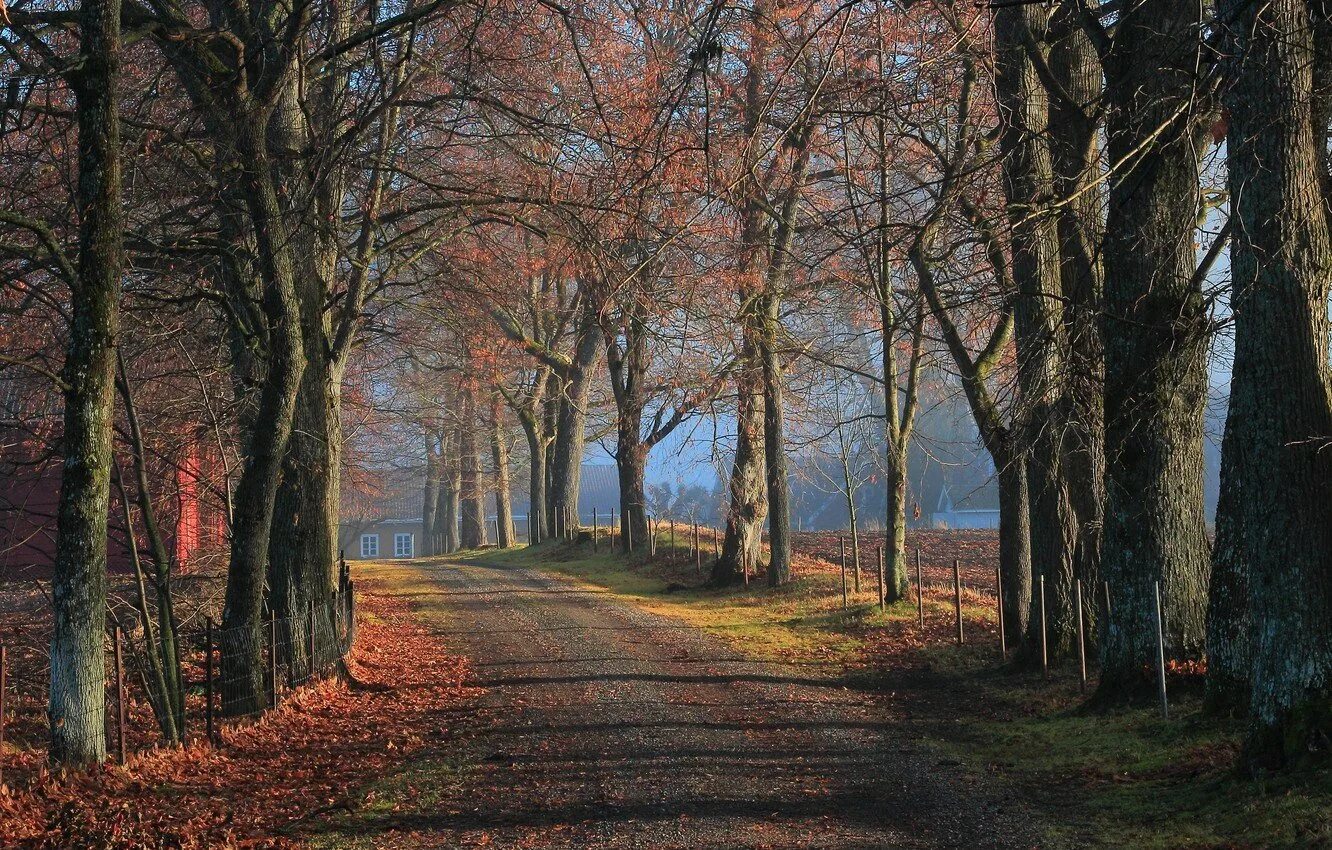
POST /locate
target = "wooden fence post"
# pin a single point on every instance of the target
(855, 569)
(208, 677)
(3, 708)
(698, 552)
(841, 541)
(882, 590)
(120, 698)
(920, 591)
(957, 601)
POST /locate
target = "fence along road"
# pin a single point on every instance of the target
(604, 726)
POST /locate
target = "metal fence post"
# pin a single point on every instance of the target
(999, 596)
(1160, 654)
(629, 535)
(1082, 637)
(310, 639)
(120, 698)
(957, 601)
(208, 678)
(596, 526)
(1045, 641)
(272, 662)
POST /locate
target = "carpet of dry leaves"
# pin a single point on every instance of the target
(266, 781)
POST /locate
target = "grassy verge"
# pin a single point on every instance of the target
(1125, 779)
(804, 620)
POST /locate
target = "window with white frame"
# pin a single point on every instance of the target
(369, 545)
(402, 546)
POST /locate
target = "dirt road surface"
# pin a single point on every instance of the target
(603, 726)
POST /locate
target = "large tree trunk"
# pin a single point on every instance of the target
(536, 482)
(77, 704)
(567, 452)
(1275, 528)
(896, 575)
(774, 448)
(628, 368)
(743, 543)
(430, 497)
(256, 491)
(551, 417)
(302, 549)
(631, 468)
(1028, 181)
(472, 534)
(499, 455)
(1155, 332)
(1080, 217)
(1014, 545)
(450, 488)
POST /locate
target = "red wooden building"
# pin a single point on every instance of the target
(187, 481)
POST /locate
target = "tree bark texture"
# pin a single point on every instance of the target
(1274, 527)
(472, 533)
(499, 456)
(76, 707)
(1156, 335)
(1028, 181)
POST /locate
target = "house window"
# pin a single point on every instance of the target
(402, 546)
(369, 545)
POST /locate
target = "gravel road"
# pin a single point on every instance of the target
(603, 726)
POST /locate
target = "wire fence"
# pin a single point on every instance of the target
(860, 559)
(227, 676)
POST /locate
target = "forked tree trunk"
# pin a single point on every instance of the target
(78, 587)
(567, 453)
(256, 491)
(1156, 335)
(1275, 525)
(743, 543)
(896, 575)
